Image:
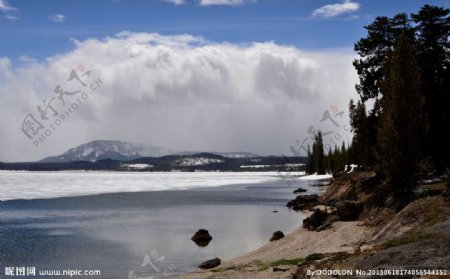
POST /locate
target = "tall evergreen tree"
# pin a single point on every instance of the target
(433, 26)
(336, 157)
(316, 159)
(310, 167)
(344, 155)
(402, 118)
(331, 161)
(318, 154)
(374, 51)
(361, 146)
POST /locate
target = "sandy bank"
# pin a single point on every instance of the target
(342, 237)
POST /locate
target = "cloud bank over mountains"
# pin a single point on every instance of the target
(181, 92)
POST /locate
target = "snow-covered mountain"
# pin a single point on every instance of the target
(109, 149)
(122, 151)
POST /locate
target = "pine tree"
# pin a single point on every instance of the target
(361, 151)
(310, 167)
(433, 25)
(344, 155)
(336, 159)
(331, 162)
(319, 165)
(374, 51)
(402, 118)
(316, 159)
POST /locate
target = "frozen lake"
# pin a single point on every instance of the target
(114, 222)
(38, 185)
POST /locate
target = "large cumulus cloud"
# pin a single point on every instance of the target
(181, 92)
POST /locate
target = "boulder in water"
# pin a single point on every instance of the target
(201, 238)
(277, 236)
(210, 263)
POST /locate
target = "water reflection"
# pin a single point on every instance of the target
(115, 232)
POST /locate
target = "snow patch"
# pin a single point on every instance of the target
(137, 166)
(86, 152)
(199, 161)
(255, 166)
(270, 166)
(316, 177)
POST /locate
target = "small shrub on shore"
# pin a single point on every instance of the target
(261, 265)
(314, 257)
(408, 237)
(287, 262)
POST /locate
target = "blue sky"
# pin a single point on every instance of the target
(42, 28)
(198, 75)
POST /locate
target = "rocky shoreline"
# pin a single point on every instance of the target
(349, 228)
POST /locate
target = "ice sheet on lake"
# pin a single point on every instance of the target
(317, 177)
(37, 185)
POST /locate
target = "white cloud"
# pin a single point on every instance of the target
(5, 68)
(352, 17)
(11, 17)
(57, 18)
(27, 59)
(333, 10)
(221, 2)
(213, 2)
(180, 92)
(5, 7)
(176, 2)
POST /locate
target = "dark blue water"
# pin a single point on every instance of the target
(117, 233)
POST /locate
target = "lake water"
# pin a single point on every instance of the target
(125, 220)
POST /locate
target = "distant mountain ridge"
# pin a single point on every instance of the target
(109, 149)
(124, 151)
(108, 155)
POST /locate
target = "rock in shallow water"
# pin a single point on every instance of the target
(300, 190)
(303, 202)
(210, 263)
(277, 236)
(201, 238)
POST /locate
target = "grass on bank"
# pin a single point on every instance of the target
(264, 266)
(408, 237)
(295, 261)
(261, 265)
